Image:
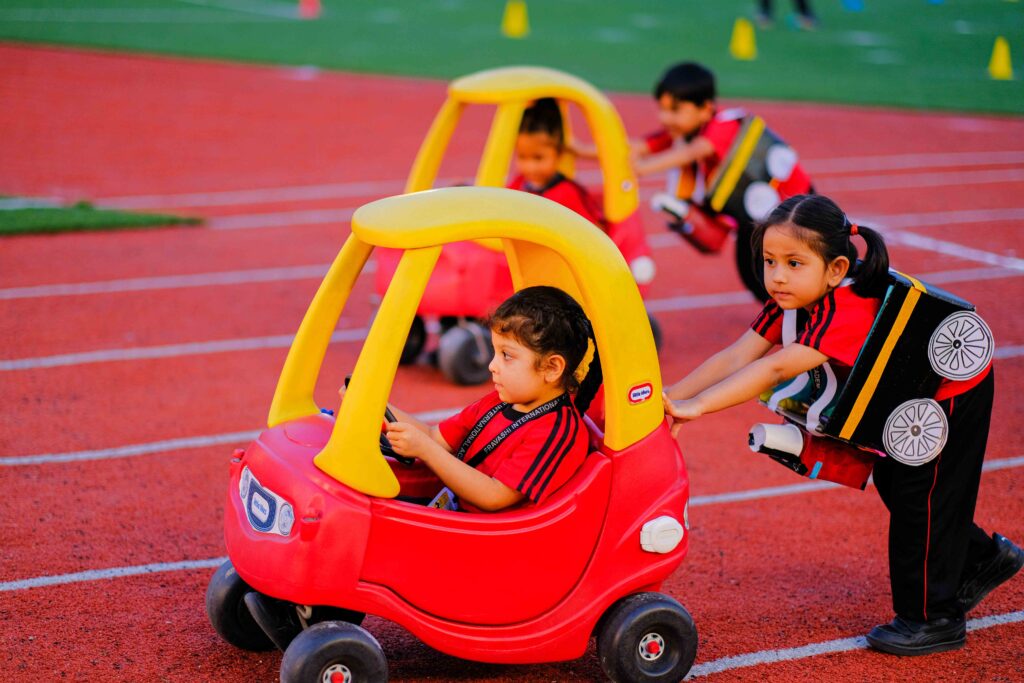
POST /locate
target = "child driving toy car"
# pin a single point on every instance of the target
(526, 438)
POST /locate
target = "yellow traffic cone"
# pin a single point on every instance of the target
(999, 67)
(515, 23)
(743, 44)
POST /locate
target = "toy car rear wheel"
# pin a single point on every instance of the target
(226, 609)
(647, 637)
(333, 651)
(464, 352)
(415, 342)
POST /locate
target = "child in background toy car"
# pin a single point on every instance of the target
(726, 170)
(472, 278)
(539, 149)
(526, 438)
(941, 563)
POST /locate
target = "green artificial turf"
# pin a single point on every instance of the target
(29, 218)
(910, 53)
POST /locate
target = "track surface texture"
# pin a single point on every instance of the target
(132, 363)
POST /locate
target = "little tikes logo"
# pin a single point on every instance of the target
(640, 393)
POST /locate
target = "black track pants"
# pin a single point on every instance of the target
(932, 534)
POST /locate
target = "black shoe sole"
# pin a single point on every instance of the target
(1000, 575)
(905, 651)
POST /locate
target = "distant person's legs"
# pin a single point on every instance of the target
(804, 14)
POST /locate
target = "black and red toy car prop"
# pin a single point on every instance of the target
(920, 336)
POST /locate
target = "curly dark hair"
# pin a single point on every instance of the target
(548, 321)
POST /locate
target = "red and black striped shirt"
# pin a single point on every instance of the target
(535, 459)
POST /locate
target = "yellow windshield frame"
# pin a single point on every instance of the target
(546, 244)
(510, 90)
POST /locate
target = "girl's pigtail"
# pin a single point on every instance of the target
(872, 274)
(592, 382)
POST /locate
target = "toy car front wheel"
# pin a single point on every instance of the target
(226, 609)
(464, 352)
(333, 652)
(647, 637)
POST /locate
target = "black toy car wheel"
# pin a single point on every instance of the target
(226, 609)
(655, 330)
(334, 651)
(415, 342)
(647, 637)
(464, 352)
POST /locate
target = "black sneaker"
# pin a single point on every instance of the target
(1007, 562)
(912, 638)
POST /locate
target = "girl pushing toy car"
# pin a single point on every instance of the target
(526, 438)
(941, 563)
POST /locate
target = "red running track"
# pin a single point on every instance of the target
(764, 574)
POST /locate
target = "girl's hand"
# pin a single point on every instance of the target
(681, 411)
(407, 440)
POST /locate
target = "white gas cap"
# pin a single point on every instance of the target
(661, 535)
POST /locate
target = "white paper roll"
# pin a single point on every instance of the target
(786, 438)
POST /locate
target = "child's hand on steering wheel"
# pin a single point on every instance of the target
(407, 440)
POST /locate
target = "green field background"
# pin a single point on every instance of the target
(906, 53)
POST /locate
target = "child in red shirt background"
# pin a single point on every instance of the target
(941, 564)
(695, 139)
(539, 149)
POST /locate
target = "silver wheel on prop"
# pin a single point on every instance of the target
(915, 432)
(961, 346)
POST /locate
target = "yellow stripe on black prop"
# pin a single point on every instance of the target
(871, 383)
(739, 162)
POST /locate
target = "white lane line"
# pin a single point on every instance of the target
(895, 162)
(387, 187)
(280, 341)
(267, 195)
(826, 647)
(168, 445)
(671, 304)
(317, 271)
(111, 573)
(947, 248)
(701, 670)
(810, 486)
(1014, 351)
(281, 218)
(257, 7)
(929, 219)
(140, 284)
(904, 181)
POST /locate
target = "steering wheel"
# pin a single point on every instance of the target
(385, 445)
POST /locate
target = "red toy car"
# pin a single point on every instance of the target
(322, 528)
